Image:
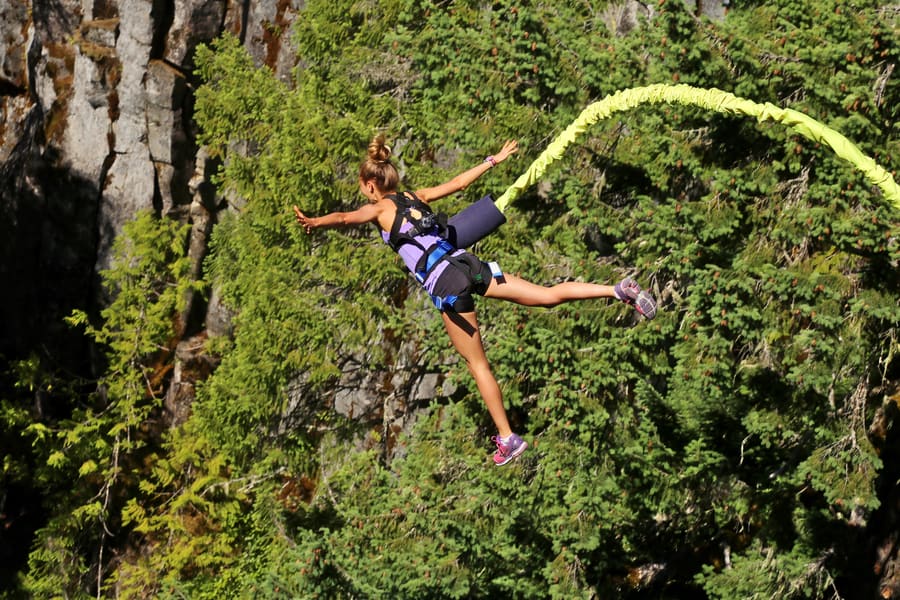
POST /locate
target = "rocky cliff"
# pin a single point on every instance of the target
(97, 103)
(97, 124)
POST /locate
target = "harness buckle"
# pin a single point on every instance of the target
(441, 303)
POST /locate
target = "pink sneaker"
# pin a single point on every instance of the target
(508, 449)
(629, 292)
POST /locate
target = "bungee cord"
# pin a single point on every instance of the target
(710, 99)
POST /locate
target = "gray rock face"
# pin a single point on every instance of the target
(193, 23)
(96, 104)
(266, 33)
(110, 81)
(14, 42)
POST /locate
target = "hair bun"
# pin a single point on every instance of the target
(379, 151)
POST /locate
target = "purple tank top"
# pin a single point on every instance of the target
(412, 254)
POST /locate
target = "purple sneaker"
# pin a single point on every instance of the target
(629, 292)
(509, 449)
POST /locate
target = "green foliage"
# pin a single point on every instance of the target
(91, 460)
(269, 272)
(695, 431)
(721, 449)
(765, 573)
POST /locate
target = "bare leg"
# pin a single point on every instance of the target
(468, 344)
(515, 289)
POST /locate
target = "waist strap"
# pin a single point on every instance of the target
(438, 252)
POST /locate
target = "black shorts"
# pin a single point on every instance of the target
(465, 275)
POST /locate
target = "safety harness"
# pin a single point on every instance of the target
(427, 233)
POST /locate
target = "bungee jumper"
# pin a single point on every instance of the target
(433, 250)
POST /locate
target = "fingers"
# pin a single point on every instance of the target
(509, 147)
(303, 220)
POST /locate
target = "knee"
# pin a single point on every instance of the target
(540, 296)
(552, 296)
(479, 367)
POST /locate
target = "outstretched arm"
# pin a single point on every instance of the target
(364, 214)
(462, 181)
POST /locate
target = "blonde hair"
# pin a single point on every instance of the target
(378, 167)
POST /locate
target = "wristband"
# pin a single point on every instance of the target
(492, 160)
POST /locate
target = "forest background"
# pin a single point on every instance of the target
(741, 445)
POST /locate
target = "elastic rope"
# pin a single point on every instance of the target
(711, 99)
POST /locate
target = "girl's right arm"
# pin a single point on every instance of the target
(364, 214)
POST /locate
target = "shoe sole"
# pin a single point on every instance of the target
(645, 304)
(642, 301)
(517, 452)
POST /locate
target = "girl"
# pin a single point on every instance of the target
(452, 276)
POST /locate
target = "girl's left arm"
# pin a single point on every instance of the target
(462, 181)
(364, 214)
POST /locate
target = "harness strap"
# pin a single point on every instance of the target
(434, 256)
(440, 251)
(402, 204)
(442, 303)
(427, 222)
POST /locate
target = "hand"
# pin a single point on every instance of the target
(305, 222)
(510, 147)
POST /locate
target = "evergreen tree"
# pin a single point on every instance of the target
(723, 450)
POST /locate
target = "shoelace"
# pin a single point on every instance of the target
(503, 449)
